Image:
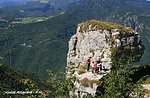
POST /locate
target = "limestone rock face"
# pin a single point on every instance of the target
(97, 40)
(89, 44)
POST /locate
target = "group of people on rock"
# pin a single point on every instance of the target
(97, 65)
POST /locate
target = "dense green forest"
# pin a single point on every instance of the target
(12, 80)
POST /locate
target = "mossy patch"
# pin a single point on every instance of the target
(81, 72)
(102, 56)
(1, 58)
(92, 51)
(89, 83)
(147, 81)
(147, 92)
(82, 69)
(94, 25)
(127, 47)
(74, 54)
(71, 63)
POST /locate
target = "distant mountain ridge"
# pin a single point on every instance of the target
(12, 2)
(135, 0)
(39, 8)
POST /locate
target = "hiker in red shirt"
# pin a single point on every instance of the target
(95, 67)
(89, 62)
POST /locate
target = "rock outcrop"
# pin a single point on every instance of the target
(99, 40)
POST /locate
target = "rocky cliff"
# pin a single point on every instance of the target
(99, 40)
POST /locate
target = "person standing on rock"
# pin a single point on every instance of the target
(99, 65)
(92, 64)
(95, 67)
(89, 62)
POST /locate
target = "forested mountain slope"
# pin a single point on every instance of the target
(39, 8)
(13, 80)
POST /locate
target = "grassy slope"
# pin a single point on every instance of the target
(103, 25)
(10, 80)
(141, 72)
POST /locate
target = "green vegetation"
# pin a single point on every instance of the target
(100, 25)
(81, 71)
(60, 88)
(33, 20)
(140, 72)
(92, 51)
(12, 80)
(83, 67)
(71, 63)
(49, 39)
(147, 92)
(72, 72)
(37, 19)
(1, 58)
(127, 48)
(102, 56)
(117, 36)
(53, 87)
(130, 56)
(147, 81)
(89, 83)
(121, 82)
(74, 54)
(38, 9)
